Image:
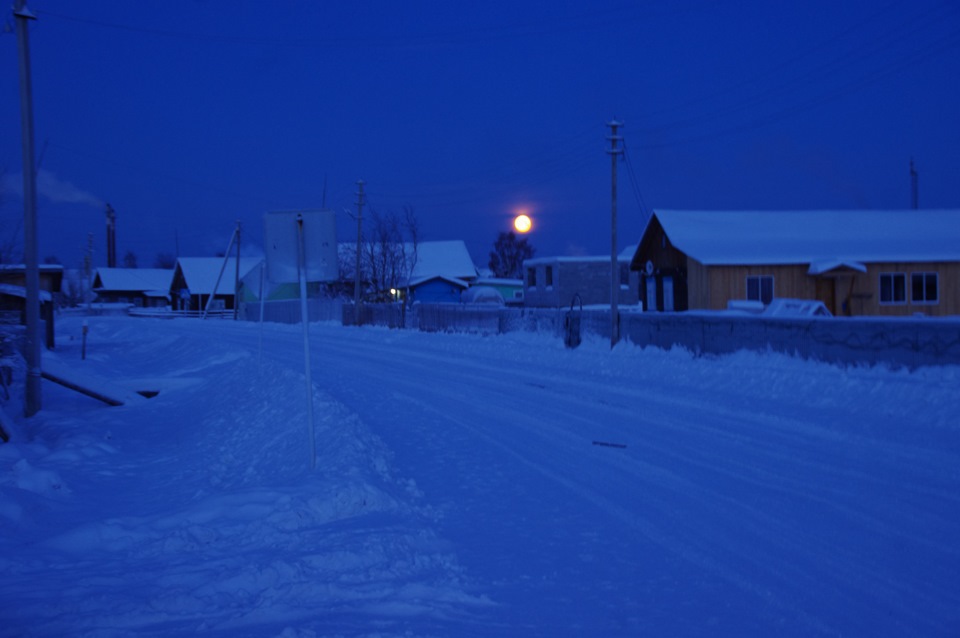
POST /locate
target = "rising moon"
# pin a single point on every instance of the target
(522, 223)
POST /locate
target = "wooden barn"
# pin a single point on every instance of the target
(857, 262)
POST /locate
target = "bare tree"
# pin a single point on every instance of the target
(165, 260)
(130, 259)
(508, 255)
(390, 255)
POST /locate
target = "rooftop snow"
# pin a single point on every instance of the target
(804, 237)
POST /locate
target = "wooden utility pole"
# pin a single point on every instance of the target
(111, 237)
(30, 244)
(614, 152)
(356, 275)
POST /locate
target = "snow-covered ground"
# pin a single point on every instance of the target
(460, 490)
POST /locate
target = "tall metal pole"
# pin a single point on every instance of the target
(30, 250)
(356, 276)
(302, 278)
(614, 152)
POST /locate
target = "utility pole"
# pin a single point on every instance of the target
(111, 237)
(914, 190)
(615, 151)
(30, 244)
(236, 279)
(356, 276)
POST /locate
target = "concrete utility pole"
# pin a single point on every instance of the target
(914, 190)
(111, 237)
(615, 151)
(356, 276)
(30, 250)
(236, 279)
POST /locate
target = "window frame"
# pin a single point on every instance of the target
(925, 275)
(893, 289)
(759, 282)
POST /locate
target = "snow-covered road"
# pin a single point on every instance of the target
(745, 495)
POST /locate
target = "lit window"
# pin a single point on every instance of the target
(924, 288)
(760, 288)
(893, 288)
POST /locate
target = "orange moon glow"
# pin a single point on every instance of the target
(522, 223)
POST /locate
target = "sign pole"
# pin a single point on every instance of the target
(304, 319)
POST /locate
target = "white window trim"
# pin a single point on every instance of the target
(892, 288)
(925, 302)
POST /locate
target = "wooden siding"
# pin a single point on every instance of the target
(844, 292)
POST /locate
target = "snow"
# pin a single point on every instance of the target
(842, 237)
(459, 490)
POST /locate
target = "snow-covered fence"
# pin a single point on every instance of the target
(895, 341)
(288, 310)
(909, 342)
(460, 318)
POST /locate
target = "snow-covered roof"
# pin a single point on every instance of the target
(141, 279)
(592, 259)
(19, 291)
(201, 273)
(448, 258)
(452, 280)
(845, 237)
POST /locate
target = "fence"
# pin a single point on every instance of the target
(909, 342)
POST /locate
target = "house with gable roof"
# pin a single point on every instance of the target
(195, 279)
(857, 262)
(140, 287)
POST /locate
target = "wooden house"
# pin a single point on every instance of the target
(139, 287)
(857, 262)
(195, 279)
(13, 295)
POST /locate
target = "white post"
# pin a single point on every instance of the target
(302, 276)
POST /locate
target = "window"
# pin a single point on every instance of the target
(548, 272)
(893, 288)
(531, 277)
(624, 275)
(923, 287)
(760, 288)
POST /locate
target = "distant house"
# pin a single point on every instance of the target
(449, 259)
(195, 280)
(553, 282)
(857, 262)
(140, 287)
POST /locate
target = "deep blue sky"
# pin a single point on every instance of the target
(189, 115)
